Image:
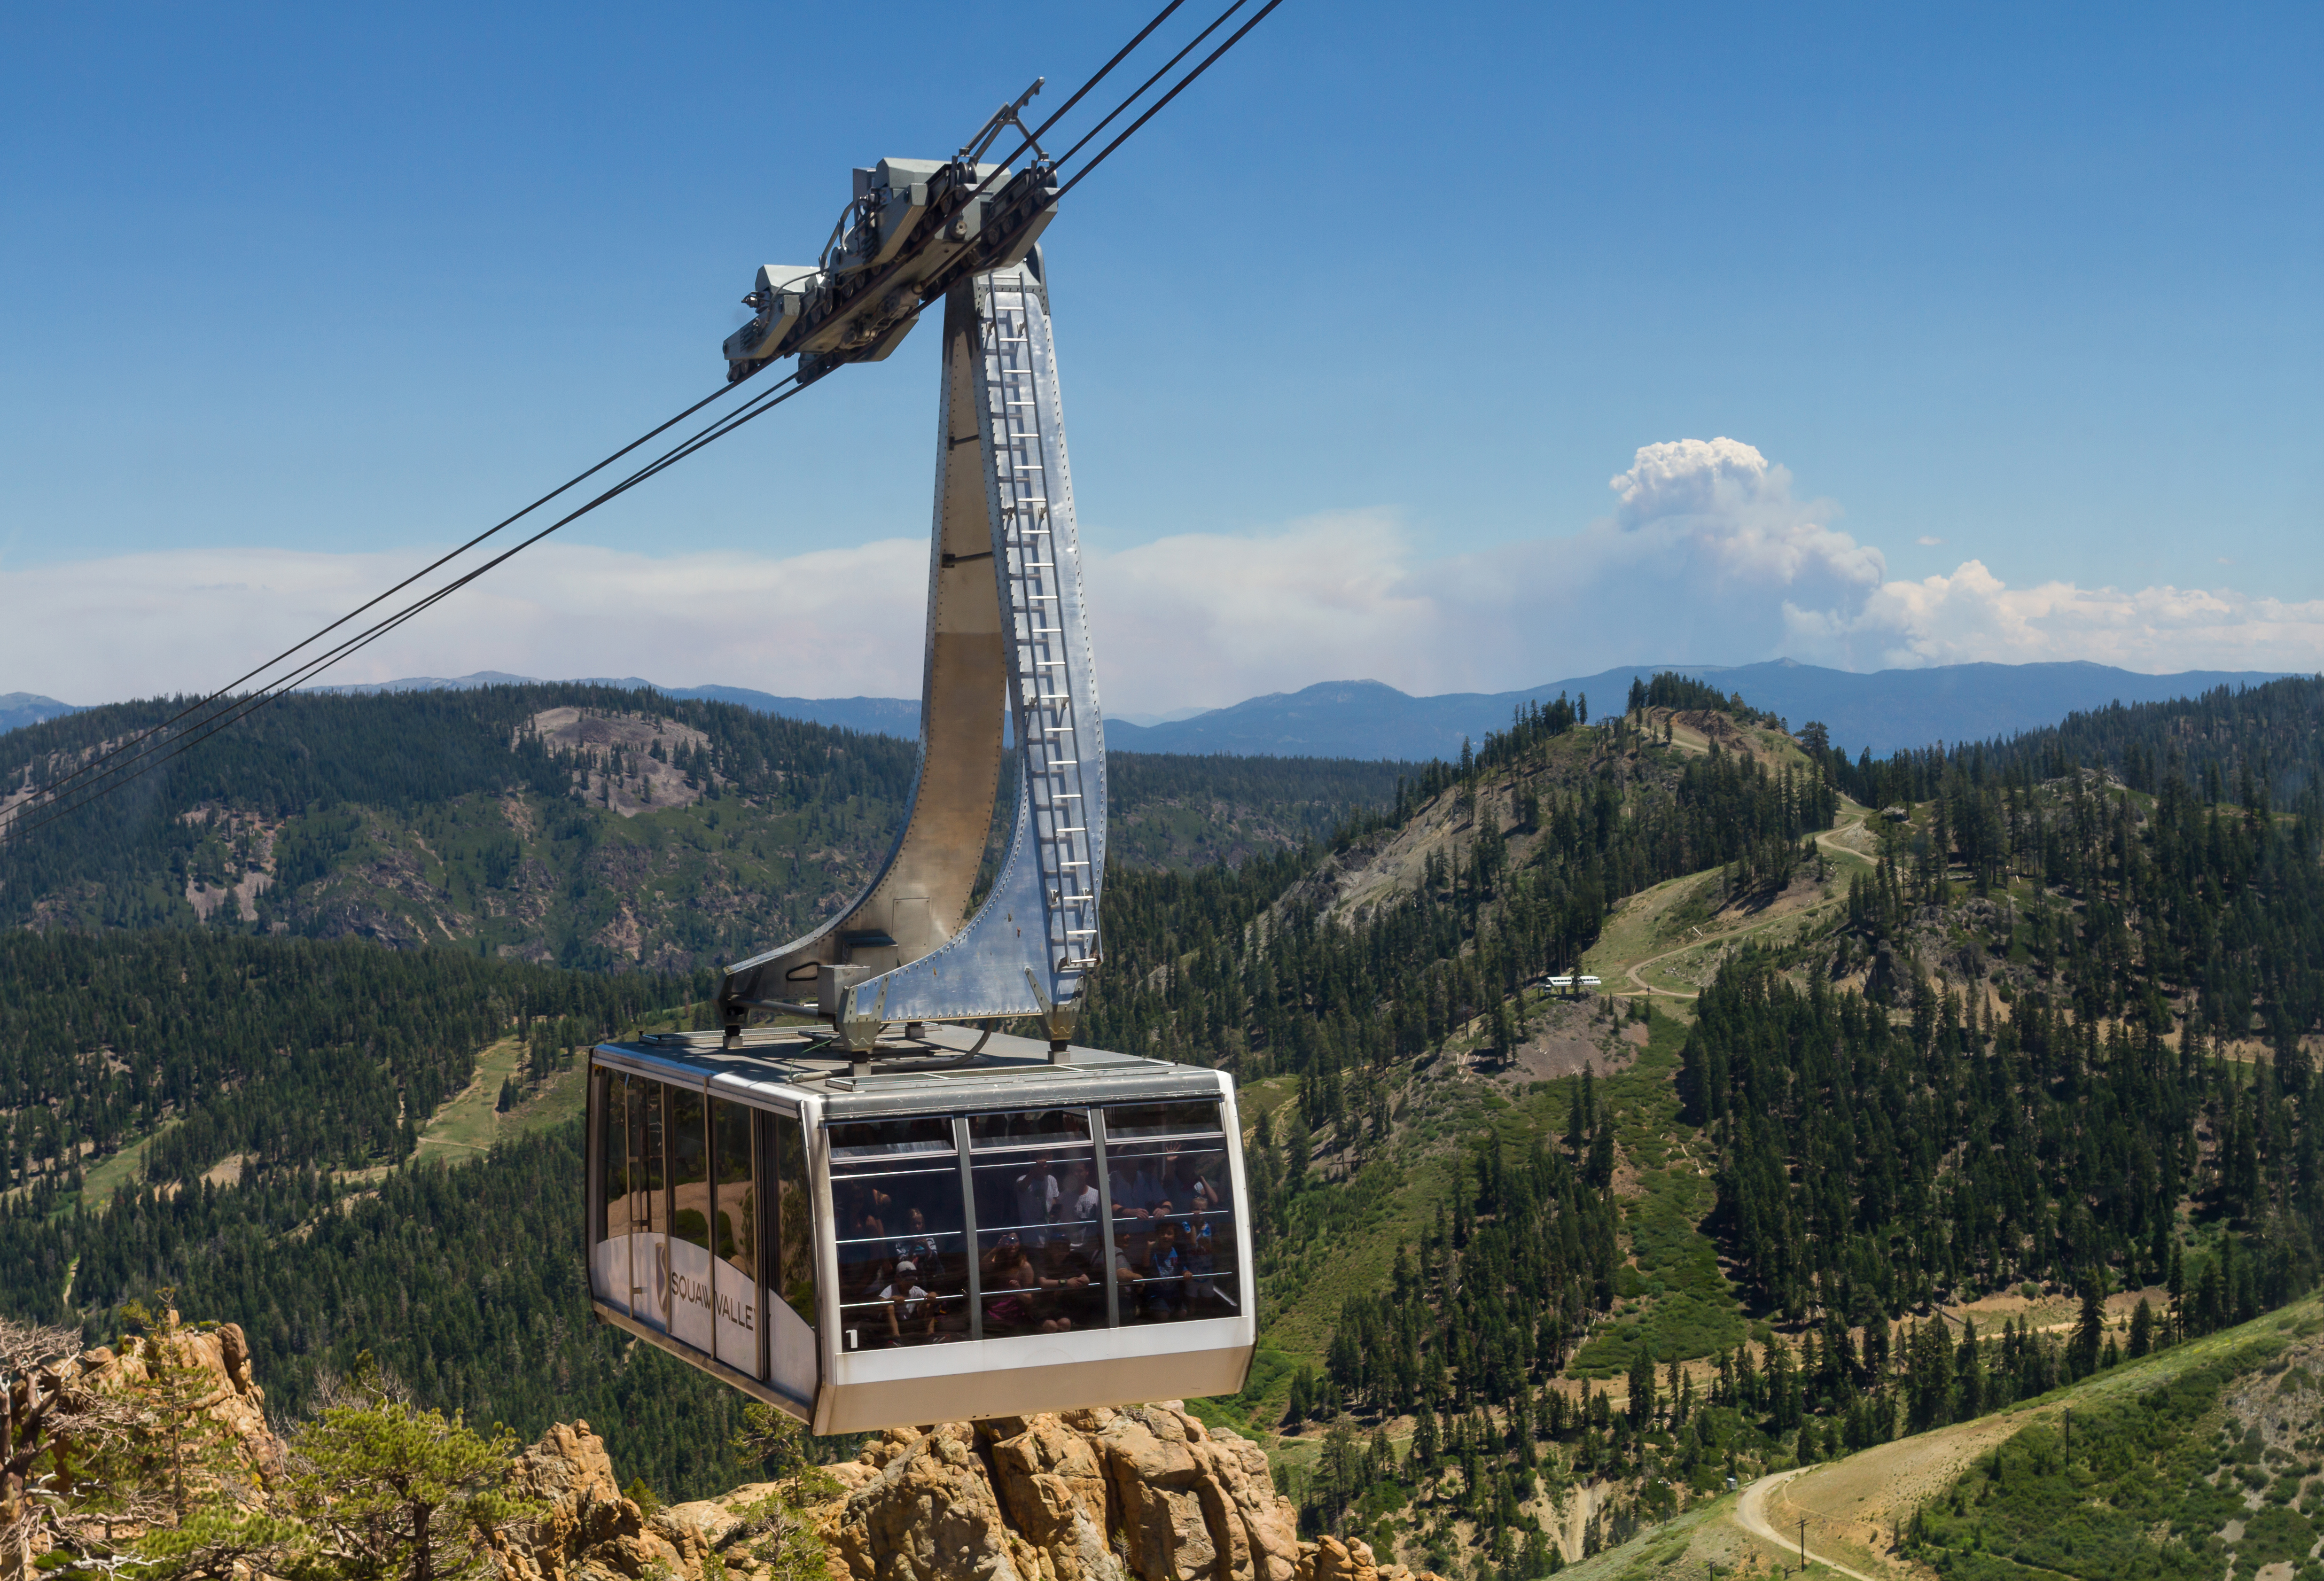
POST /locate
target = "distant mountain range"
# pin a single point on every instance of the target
(1881, 712)
(19, 709)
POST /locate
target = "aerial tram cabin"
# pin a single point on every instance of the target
(971, 1226)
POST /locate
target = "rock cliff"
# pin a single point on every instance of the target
(1146, 1494)
(1142, 1493)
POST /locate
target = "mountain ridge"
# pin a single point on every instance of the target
(1877, 711)
(19, 709)
(1880, 711)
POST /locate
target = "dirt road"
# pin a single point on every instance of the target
(1635, 972)
(1751, 1515)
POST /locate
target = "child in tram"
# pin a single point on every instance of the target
(1202, 1265)
(910, 1311)
(921, 1247)
(1150, 1272)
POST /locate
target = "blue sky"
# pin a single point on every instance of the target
(1366, 319)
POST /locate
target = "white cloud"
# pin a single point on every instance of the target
(1928, 542)
(1972, 615)
(1706, 557)
(192, 620)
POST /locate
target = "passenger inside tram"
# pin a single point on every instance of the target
(1022, 1300)
(1077, 1208)
(921, 1247)
(909, 1308)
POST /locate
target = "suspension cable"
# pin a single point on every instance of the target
(98, 778)
(153, 756)
(1179, 88)
(97, 764)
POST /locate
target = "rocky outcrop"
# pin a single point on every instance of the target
(1147, 1494)
(1142, 1494)
(587, 1529)
(220, 1360)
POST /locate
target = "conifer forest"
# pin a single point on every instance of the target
(1908, 1091)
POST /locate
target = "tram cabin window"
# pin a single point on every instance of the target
(794, 1268)
(902, 1244)
(1174, 1230)
(1040, 1249)
(734, 1236)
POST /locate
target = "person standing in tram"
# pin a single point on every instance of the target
(1077, 1208)
(1136, 1192)
(1038, 1192)
(921, 1247)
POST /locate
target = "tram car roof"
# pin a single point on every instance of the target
(953, 1069)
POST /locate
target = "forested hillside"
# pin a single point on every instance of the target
(293, 1054)
(2233, 743)
(1994, 1082)
(575, 825)
(299, 1239)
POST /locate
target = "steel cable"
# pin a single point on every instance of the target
(160, 753)
(97, 767)
(133, 759)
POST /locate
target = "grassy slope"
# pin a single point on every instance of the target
(1854, 1506)
(1676, 934)
(1674, 1293)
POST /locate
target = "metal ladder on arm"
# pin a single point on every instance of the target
(1058, 731)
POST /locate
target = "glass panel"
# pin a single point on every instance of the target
(609, 1255)
(613, 1155)
(692, 1311)
(1030, 1128)
(903, 1266)
(689, 1168)
(877, 1138)
(1041, 1257)
(795, 1259)
(735, 1236)
(1174, 1232)
(1162, 1119)
(646, 1157)
(735, 1228)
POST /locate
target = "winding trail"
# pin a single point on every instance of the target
(1647, 988)
(1829, 837)
(1751, 1515)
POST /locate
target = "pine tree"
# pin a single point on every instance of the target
(1641, 1411)
(2090, 1324)
(388, 1490)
